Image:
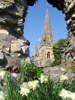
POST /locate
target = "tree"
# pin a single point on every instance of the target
(57, 52)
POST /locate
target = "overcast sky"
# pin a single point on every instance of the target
(34, 23)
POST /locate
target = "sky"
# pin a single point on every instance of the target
(34, 23)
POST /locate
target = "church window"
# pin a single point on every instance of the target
(48, 55)
(43, 39)
(35, 54)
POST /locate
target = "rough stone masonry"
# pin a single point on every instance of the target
(14, 48)
(68, 8)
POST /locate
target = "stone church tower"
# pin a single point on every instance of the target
(44, 56)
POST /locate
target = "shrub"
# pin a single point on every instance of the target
(29, 71)
(57, 52)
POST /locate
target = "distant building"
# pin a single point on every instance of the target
(44, 55)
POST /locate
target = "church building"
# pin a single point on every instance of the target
(44, 55)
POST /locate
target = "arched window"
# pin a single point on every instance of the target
(36, 55)
(48, 55)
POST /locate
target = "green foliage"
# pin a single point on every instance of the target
(29, 71)
(51, 90)
(47, 90)
(73, 69)
(57, 52)
(12, 88)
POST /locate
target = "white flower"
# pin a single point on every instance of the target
(65, 94)
(33, 84)
(43, 78)
(24, 85)
(24, 91)
(63, 77)
(2, 96)
(72, 96)
(2, 74)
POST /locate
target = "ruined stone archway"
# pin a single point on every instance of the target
(14, 48)
(68, 8)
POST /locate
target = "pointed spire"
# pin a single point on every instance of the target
(47, 22)
(47, 36)
(36, 50)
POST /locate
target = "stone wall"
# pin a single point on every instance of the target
(14, 48)
(68, 52)
(68, 8)
(59, 4)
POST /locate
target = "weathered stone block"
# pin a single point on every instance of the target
(13, 61)
(18, 30)
(7, 49)
(2, 31)
(5, 4)
(15, 48)
(1, 58)
(73, 15)
(27, 59)
(21, 42)
(25, 50)
(1, 45)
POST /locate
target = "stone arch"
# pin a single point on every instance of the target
(11, 26)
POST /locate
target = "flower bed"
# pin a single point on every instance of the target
(43, 88)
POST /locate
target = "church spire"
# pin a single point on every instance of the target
(36, 50)
(47, 36)
(47, 22)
